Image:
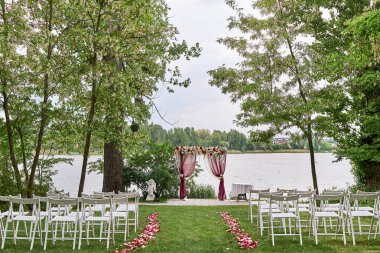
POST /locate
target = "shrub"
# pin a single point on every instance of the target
(157, 162)
(201, 191)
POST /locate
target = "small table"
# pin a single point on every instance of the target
(239, 190)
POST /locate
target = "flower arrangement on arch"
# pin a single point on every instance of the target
(200, 150)
(243, 239)
(150, 230)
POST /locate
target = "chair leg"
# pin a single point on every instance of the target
(299, 229)
(101, 231)
(344, 232)
(46, 233)
(88, 232)
(315, 226)
(352, 230)
(370, 229)
(15, 232)
(360, 226)
(33, 236)
(108, 234)
(271, 226)
(80, 234)
(75, 234)
(5, 235)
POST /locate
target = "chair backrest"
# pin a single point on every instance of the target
(364, 196)
(287, 190)
(35, 202)
(64, 205)
(253, 190)
(105, 194)
(330, 197)
(88, 203)
(97, 196)
(284, 198)
(329, 192)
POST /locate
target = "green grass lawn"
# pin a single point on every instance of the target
(201, 229)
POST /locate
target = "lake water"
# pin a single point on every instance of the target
(283, 170)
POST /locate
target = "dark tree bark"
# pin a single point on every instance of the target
(44, 105)
(10, 136)
(91, 113)
(312, 158)
(113, 179)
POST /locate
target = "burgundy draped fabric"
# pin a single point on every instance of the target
(218, 166)
(186, 167)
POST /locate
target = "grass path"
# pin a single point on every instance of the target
(201, 229)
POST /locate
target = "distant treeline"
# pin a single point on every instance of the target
(233, 139)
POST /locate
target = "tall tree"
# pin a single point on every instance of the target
(274, 81)
(353, 117)
(132, 44)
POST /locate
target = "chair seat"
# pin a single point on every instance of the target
(64, 218)
(97, 218)
(122, 208)
(274, 210)
(115, 214)
(25, 218)
(284, 215)
(5, 214)
(326, 214)
(74, 214)
(331, 209)
(96, 208)
(45, 213)
(300, 209)
(266, 206)
(362, 208)
(360, 213)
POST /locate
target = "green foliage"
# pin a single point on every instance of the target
(157, 162)
(354, 120)
(200, 191)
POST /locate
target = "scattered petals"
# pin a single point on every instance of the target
(142, 240)
(243, 239)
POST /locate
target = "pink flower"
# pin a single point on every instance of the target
(244, 240)
(142, 240)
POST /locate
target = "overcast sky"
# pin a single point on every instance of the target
(200, 105)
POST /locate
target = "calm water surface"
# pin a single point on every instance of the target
(282, 170)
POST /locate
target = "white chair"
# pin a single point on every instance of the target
(305, 203)
(354, 211)
(324, 211)
(89, 217)
(4, 215)
(284, 214)
(253, 201)
(34, 219)
(119, 219)
(62, 205)
(133, 206)
(263, 209)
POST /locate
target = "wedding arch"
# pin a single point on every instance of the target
(186, 158)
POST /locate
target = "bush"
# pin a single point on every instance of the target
(157, 162)
(201, 191)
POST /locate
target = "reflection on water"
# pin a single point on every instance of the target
(283, 170)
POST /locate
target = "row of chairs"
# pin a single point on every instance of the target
(333, 211)
(74, 218)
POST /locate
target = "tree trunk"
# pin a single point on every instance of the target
(40, 136)
(309, 136)
(86, 150)
(43, 108)
(10, 137)
(113, 178)
(91, 112)
(24, 164)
